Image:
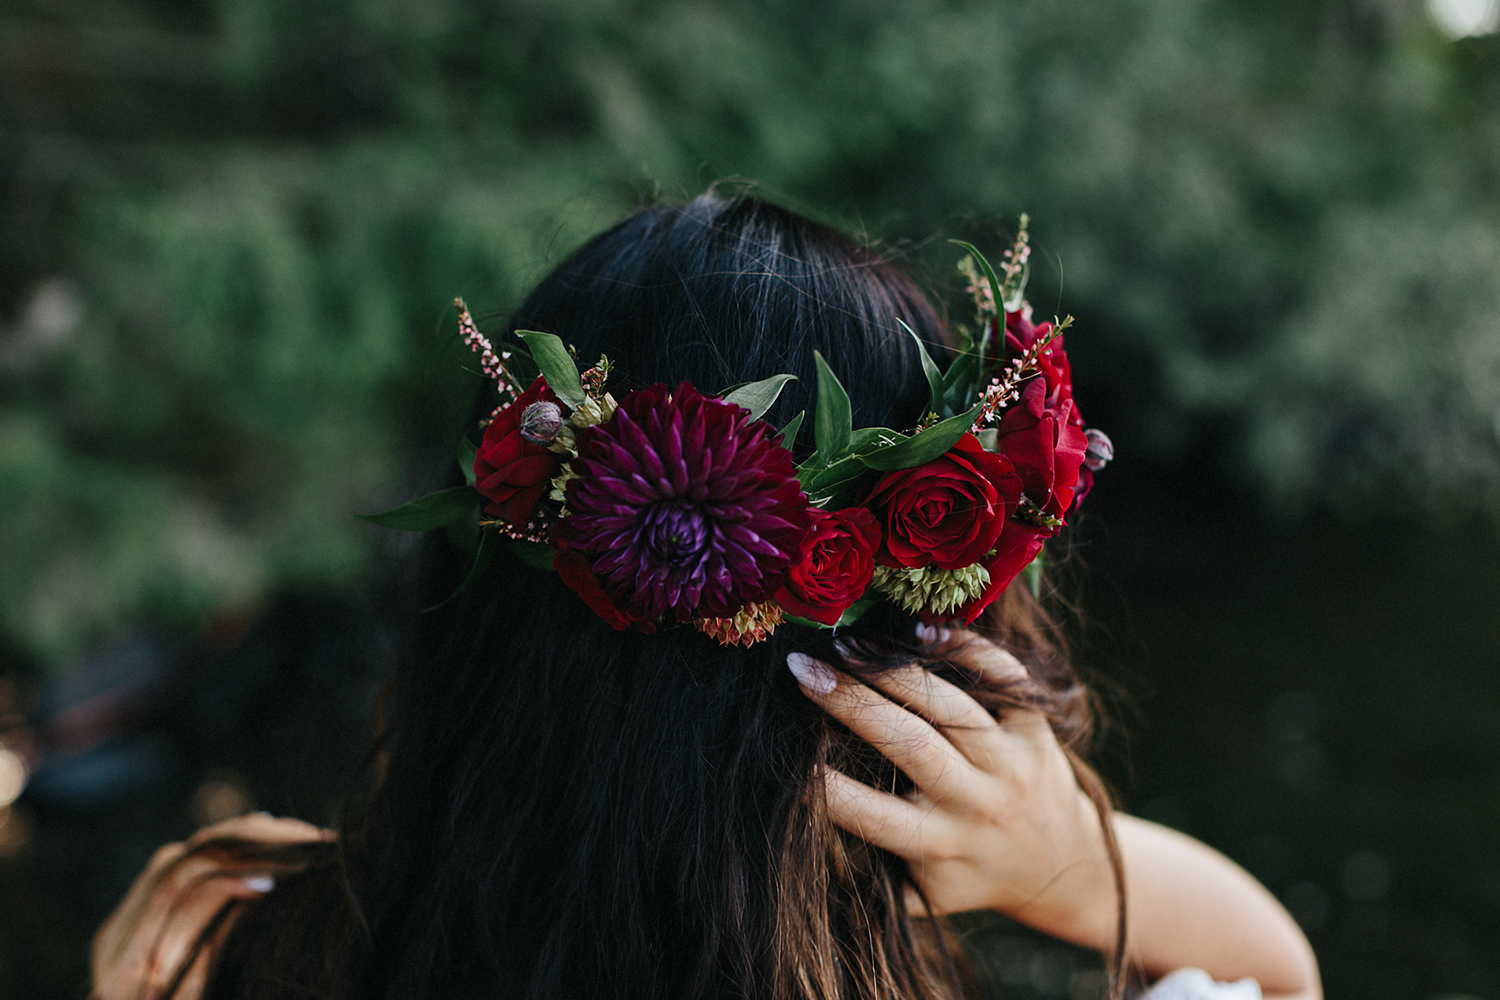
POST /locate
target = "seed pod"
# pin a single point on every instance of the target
(1099, 451)
(541, 421)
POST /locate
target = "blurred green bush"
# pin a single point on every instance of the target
(230, 231)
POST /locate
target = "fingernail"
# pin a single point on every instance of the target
(259, 883)
(932, 634)
(811, 674)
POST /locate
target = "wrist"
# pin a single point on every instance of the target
(1079, 903)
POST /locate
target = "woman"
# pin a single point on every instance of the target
(566, 806)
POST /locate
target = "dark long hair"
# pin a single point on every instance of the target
(561, 810)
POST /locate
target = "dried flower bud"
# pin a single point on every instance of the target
(541, 421)
(1099, 451)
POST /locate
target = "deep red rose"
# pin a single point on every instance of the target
(1020, 334)
(1017, 546)
(948, 512)
(838, 559)
(577, 574)
(511, 472)
(1044, 444)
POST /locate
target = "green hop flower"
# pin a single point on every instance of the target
(940, 591)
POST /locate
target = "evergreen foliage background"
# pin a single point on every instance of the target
(231, 232)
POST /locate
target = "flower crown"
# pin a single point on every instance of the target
(674, 506)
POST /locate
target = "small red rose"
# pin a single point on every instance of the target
(1045, 444)
(511, 472)
(838, 559)
(949, 512)
(1017, 546)
(1020, 334)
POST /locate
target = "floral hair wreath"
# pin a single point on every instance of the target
(675, 506)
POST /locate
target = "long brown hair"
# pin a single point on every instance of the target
(561, 810)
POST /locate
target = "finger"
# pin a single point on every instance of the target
(979, 655)
(903, 738)
(176, 922)
(882, 819)
(265, 828)
(965, 722)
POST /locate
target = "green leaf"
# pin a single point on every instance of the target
(466, 453)
(432, 511)
(804, 622)
(557, 366)
(989, 438)
(935, 385)
(960, 384)
(789, 432)
(537, 555)
(483, 556)
(757, 397)
(870, 438)
(989, 272)
(826, 477)
(923, 447)
(995, 289)
(854, 613)
(833, 421)
(522, 367)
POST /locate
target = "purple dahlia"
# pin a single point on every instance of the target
(684, 506)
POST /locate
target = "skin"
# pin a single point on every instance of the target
(998, 821)
(137, 952)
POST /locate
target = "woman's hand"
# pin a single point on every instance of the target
(998, 820)
(139, 950)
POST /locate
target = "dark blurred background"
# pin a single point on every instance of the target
(230, 232)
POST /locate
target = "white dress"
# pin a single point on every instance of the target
(1195, 984)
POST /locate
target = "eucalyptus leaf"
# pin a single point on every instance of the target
(922, 447)
(989, 438)
(758, 397)
(833, 421)
(432, 511)
(934, 375)
(466, 454)
(557, 365)
(483, 556)
(789, 432)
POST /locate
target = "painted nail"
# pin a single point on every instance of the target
(932, 635)
(811, 674)
(259, 883)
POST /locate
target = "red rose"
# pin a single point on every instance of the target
(1016, 547)
(838, 559)
(579, 575)
(948, 512)
(1045, 445)
(1020, 334)
(509, 470)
